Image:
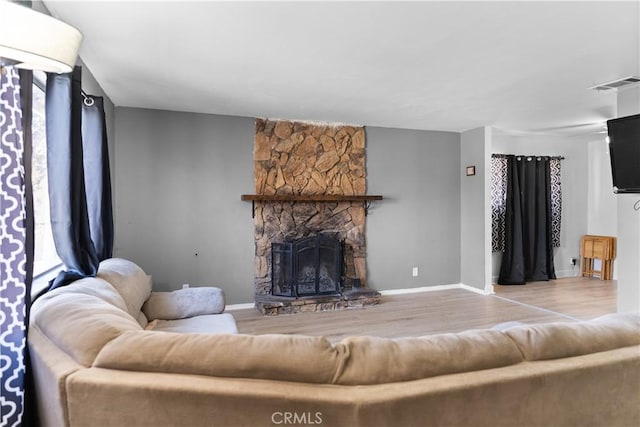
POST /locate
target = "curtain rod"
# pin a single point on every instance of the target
(502, 156)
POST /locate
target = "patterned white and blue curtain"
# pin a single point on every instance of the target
(16, 261)
(499, 200)
(556, 200)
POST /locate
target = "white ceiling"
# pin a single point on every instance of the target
(452, 66)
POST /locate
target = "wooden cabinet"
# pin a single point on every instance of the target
(601, 248)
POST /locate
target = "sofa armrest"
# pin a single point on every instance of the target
(184, 303)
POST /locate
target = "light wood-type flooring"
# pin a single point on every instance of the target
(453, 310)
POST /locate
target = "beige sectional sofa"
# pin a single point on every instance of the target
(98, 363)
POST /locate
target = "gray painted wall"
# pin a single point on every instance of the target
(603, 207)
(574, 190)
(475, 196)
(602, 211)
(178, 185)
(418, 222)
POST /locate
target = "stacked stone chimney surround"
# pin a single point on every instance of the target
(309, 159)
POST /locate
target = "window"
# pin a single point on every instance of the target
(45, 256)
(499, 201)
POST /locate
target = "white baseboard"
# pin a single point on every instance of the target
(419, 289)
(568, 273)
(242, 306)
(487, 291)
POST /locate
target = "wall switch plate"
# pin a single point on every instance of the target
(414, 272)
(185, 286)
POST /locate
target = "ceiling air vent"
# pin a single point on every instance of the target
(617, 84)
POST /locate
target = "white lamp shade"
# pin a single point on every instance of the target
(37, 41)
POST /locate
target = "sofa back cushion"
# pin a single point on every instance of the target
(309, 359)
(81, 317)
(371, 360)
(131, 282)
(361, 360)
(278, 357)
(558, 340)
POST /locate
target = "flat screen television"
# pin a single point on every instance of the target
(624, 150)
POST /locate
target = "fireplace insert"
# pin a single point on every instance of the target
(307, 266)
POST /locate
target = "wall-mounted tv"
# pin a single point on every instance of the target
(624, 150)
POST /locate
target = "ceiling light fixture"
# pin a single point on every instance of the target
(35, 41)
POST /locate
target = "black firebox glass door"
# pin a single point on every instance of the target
(304, 267)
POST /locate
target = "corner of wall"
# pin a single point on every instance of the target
(475, 225)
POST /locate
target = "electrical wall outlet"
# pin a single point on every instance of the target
(185, 285)
(573, 262)
(414, 271)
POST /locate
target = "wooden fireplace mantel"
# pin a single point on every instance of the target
(320, 198)
(327, 198)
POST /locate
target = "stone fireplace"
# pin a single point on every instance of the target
(303, 159)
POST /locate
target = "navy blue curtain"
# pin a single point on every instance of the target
(75, 219)
(528, 254)
(97, 176)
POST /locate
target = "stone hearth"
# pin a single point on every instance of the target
(272, 305)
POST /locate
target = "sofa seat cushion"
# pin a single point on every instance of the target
(184, 303)
(558, 340)
(209, 324)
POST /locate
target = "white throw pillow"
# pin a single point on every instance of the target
(184, 303)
